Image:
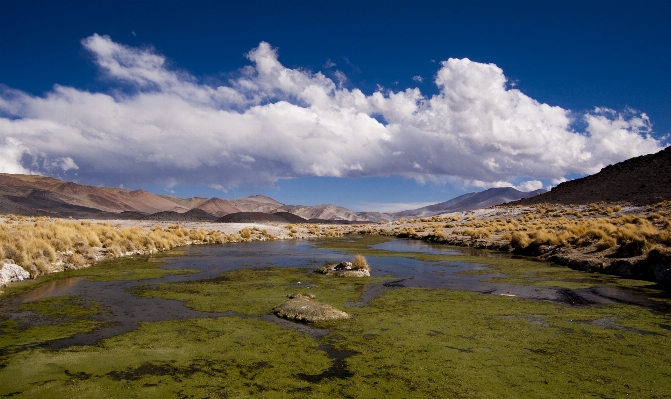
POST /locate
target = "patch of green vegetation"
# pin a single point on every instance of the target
(134, 268)
(257, 291)
(409, 342)
(441, 343)
(530, 271)
(127, 268)
(223, 357)
(59, 317)
(61, 307)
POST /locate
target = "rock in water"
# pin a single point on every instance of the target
(11, 272)
(302, 308)
(343, 269)
(343, 266)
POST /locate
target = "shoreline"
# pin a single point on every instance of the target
(627, 241)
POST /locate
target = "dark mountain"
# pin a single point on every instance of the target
(251, 217)
(470, 201)
(641, 180)
(194, 215)
(290, 217)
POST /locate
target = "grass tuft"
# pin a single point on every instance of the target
(359, 263)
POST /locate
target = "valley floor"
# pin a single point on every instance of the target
(623, 240)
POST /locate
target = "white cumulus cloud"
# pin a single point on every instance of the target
(10, 157)
(273, 122)
(530, 185)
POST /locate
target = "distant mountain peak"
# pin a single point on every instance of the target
(471, 201)
(263, 198)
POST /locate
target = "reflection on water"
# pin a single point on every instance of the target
(54, 288)
(416, 246)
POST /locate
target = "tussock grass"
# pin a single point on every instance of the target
(359, 263)
(43, 245)
(627, 230)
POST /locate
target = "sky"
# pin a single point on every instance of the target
(371, 105)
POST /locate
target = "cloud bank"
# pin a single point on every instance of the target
(157, 124)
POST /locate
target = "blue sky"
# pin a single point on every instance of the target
(368, 105)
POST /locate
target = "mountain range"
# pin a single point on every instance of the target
(33, 195)
(471, 201)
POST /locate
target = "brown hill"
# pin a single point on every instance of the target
(263, 199)
(218, 207)
(256, 203)
(326, 211)
(188, 203)
(32, 195)
(641, 180)
(53, 196)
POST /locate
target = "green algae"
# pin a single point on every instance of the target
(222, 357)
(57, 317)
(425, 343)
(408, 342)
(256, 291)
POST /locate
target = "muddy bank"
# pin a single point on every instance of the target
(654, 266)
(615, 239)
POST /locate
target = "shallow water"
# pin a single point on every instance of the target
(417, 246)
(124, 311)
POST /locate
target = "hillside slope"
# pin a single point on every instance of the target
(470, 201)
(641, 180)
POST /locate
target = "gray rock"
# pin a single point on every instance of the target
(11, 272)
(343, 269)
(303, 308)
(343, 266)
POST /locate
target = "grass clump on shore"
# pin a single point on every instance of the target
(628, 231)
(43, 245)
(359, 263)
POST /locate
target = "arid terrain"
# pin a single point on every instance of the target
(29, 195)
(629, 235)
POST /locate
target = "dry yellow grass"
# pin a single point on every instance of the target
(598, 225)
(43, 245)
(359, 262)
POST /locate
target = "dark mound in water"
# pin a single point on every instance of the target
(251, 217)
(290, 217)
(194, 215)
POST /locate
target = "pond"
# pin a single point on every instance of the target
(431, 321)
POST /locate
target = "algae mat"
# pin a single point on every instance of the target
(401, 342)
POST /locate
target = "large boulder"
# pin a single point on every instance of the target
(11, 272)
(303, 308)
